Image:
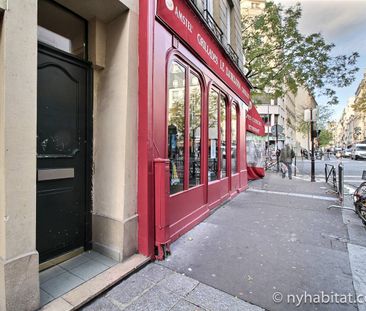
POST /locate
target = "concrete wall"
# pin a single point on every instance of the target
(115, 137)
(19, 283)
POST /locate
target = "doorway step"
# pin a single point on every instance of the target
(71, 284)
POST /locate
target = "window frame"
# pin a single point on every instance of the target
(189, 70)
(235, 104)
(220, 93)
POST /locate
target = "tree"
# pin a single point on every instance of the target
(324, 114)
(325, 137)
(278, 58)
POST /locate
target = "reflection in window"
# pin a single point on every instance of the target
(194, 131)
(223, 136)
(213, 135)
(234, 134)
(176, 99)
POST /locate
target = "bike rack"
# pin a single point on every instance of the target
(340, 188)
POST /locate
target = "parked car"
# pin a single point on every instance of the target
(358, 151)
(336, 150)
(347, 153)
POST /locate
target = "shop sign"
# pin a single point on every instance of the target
(186, 24)
(254, 122)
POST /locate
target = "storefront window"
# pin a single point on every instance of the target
(234, 138)
(223, 136)
(213, 135)
(176, 125)
(194, 131)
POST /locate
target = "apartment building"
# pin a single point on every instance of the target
(351, 127)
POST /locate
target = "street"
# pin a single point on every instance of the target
(352, 170)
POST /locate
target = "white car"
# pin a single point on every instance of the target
(358, 151)
(347, 153)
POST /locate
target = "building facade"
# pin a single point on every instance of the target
(303, 101)
(112, 117)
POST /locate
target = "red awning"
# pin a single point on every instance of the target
(255, 123)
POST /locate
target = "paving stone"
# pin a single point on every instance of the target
(157, 298)
(357, 234)
(45, 297)
(89, 269)
(184, 305)
(50, 273)
(179, 284)
(74, 262)
(214, 300)
(101, 304)
(129, 289)
(61, 284)
(357, 256)
(100, 258)
(155, 272)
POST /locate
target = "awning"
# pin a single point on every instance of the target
(255, 123)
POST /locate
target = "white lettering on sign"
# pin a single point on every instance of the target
(249, 117)
(244, 91)
(207, 49)
(232, 77)
(183, 19)
(253, 129)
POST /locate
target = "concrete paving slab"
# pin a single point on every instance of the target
(157, 298)
(184, 305)
(357, 234)
(61, 284)
(357, 255)
(215, 300)
(179, 284)
(102, 304)
(130, 289)
(155, 272)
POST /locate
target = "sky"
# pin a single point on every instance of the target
(342, 22)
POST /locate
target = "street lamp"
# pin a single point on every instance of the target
(310, 116)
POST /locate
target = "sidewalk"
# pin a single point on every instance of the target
(278, 236)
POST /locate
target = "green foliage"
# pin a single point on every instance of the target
(324, 115)
(325, 137)
(278, 55)
(302, 126)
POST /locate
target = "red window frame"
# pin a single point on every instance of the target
(226, 99)
(235, 105)
(189, 70)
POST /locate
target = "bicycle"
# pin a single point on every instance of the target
(359, 201)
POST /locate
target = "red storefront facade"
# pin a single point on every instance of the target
(192, 116)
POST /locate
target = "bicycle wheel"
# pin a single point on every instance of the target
(359, 199)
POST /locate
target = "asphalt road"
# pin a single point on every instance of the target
(352, 169)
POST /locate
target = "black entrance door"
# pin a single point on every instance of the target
(61, 153)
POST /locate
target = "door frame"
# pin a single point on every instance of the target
(54, 52)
